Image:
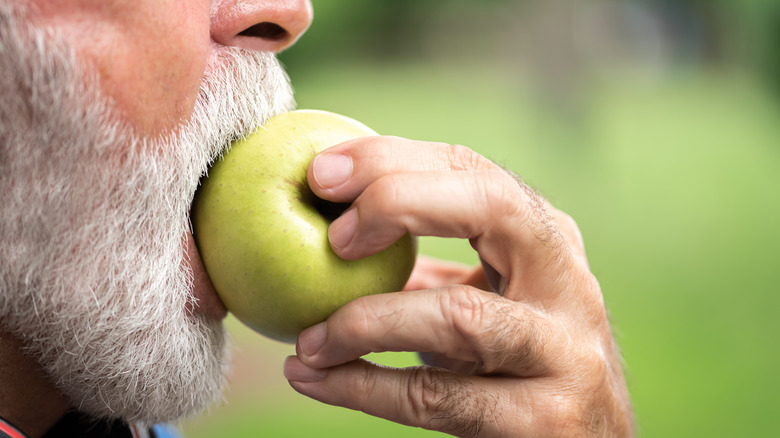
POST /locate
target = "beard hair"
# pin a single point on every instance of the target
(93, 279)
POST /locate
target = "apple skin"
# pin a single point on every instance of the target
(263, 236)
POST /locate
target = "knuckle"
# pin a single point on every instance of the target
(466, 309)
(355, 318)
(504, 187)
(591, 299)
(570, 230)
(463, 158)
(525, 336)
(514, 201)
(496, 193)
(544, 227)
(566, 222)
(441, 401)
(425, 393)
(362, 383)
(596, 299)
(500, 190)
(497, 331)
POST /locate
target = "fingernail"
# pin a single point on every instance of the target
(296, 371)
(331, 170)
(343, 229)
(312, 339)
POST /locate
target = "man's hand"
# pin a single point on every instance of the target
(533, 357)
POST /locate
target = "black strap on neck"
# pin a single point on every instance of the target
(8, 430)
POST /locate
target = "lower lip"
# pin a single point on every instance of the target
(206, 301)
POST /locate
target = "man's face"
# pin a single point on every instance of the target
(112, 111)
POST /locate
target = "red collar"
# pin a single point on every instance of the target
(8, 430)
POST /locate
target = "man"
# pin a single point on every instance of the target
(111, 112)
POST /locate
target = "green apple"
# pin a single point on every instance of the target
(263, 234)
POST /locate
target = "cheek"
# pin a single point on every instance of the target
(150, 58)
(156, 82)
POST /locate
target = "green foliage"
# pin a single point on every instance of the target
(355, 29)
(746, 32)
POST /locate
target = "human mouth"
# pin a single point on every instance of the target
(205, 300)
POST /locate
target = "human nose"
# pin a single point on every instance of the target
(262, 25)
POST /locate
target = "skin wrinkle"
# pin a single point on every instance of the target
(510, 213)
(497, 347)
(522, 347)
(461, 158)
(452, 406)
(363, 325)
(455, 303)
(549, 233)
(586, 418)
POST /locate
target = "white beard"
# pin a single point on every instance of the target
(92, 278)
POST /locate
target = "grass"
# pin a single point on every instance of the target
(676, 186)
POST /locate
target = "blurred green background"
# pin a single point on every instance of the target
(655, 124)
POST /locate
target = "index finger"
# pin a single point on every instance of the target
(342, 172)
(429, 189)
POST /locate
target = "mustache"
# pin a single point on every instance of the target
(239, 92)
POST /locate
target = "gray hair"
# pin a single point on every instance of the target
(92, 273)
